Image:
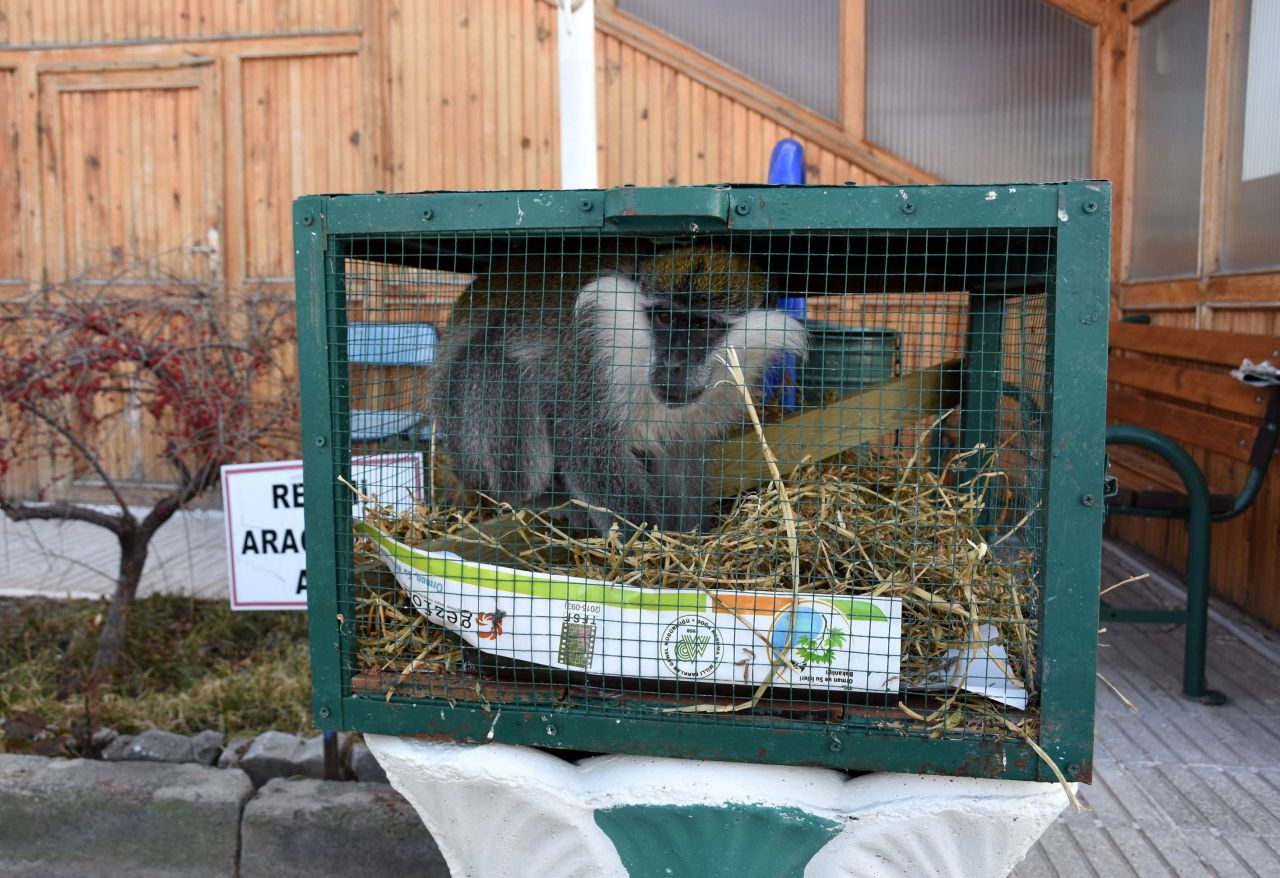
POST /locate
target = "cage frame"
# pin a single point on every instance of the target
(1079, 214)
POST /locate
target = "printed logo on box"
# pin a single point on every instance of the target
(809, 631)
(692, 647)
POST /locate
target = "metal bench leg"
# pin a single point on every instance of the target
(1198, 609)
(1198, 522)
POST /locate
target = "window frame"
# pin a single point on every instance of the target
(1210, 284)
(847, 134)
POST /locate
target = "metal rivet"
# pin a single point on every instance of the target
(427, 215)
(742, 208)
(836, 746)
(1090, 206)
(691, 228)
(551, 731)
(908, 207)
(585, 205)
(325, 713)
(1087, 499)
(1073, 770)
(320, 441)
(308, 220)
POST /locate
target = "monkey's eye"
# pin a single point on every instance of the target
(662, 319)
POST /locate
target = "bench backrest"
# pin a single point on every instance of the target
(1177, 382)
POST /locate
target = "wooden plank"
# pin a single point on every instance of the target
(819, 433)
(670, 125)
(853, 69)
(69, 22)
(12, 266)
(1216, 127)
(234, 243)
(628, 85)
(1129, 42)
(547, 110)
(31, 174)
(54, 260)
(527, 132)
(1183, 425)
(208, 167)
(1260, 290)
(488, 95)
(1215, 389)
(184, 53)
(1200, 345)
(1111, 102)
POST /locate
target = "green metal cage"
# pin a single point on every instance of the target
(871, 544)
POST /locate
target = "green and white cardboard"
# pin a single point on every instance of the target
(717, 636)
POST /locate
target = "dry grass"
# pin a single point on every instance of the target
(192, 665)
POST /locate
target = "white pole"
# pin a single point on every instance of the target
(577, 42)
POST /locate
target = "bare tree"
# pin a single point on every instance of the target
(78, 363)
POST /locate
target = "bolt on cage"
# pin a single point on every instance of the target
(896, 560)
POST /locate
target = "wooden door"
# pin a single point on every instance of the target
(131, 173)
(130, 197)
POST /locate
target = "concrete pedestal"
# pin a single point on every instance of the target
(498, 811)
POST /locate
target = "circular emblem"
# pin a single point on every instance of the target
(692, 647)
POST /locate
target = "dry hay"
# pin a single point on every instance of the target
(859, 523)
(864, 523)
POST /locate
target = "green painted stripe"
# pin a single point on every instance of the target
(703, 841)
(512, 581)
(555, 588)
(858, 611)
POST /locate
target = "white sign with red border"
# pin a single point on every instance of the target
(266, 539)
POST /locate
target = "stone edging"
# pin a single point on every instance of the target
(85, 818)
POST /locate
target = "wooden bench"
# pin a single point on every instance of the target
(1170, 389)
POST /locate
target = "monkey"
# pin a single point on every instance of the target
(609, 392)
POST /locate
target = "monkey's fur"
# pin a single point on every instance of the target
(555, 384)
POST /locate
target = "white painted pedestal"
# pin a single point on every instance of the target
(499, 811)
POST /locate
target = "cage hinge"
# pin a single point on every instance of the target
(1110, 484)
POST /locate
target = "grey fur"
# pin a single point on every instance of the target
(532, 409)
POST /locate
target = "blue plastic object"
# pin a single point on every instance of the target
(786, 167)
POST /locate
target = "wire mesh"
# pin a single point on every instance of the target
(703, 495)
(568, 406)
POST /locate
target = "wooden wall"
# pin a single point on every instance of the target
(661, 125)
(1245, 564)
(1245, 552)
(152, 138)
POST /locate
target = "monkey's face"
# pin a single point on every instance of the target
(684, 338)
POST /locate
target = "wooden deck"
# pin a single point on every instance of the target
(1179, 788)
